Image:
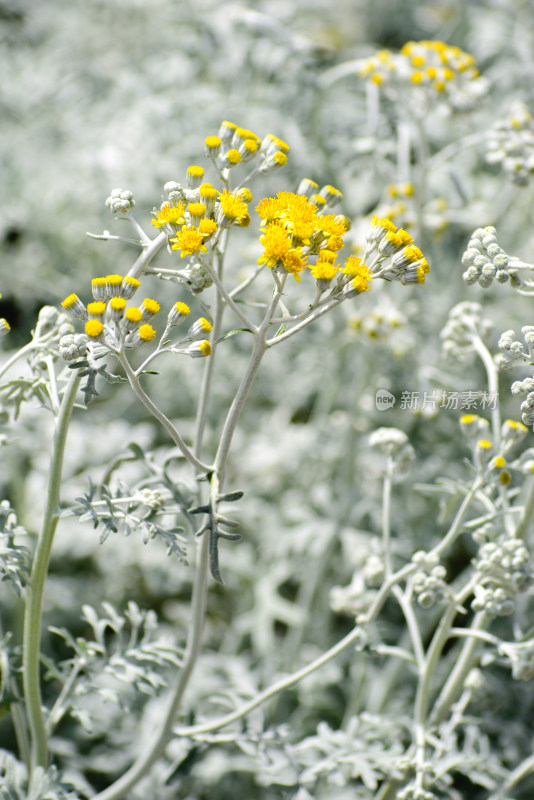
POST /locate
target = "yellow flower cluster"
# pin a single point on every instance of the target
(436, 66)
(295, 229)
(108, 320)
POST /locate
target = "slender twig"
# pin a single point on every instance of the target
(227, 298)
(147, 255)
(279, 686)
(160, 416)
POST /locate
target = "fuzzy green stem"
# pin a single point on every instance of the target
(34, 598)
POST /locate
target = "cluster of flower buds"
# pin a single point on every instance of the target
(197, 213)
(73, 347)
(234, 145)
(505, 569)
(464, 325)
(394, 444)
(513, 351)
(525, 388)
(485, 259)
(429, 581)
(520, 656)
(391, 253)
(120, 201)
(109, 321)
(511, 144)
(427, 70)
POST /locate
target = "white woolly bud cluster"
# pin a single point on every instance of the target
(525, 387)
(505, 568)
(120, 200)
(428, 582)
(73, 347)
(485, 259)
(196, 278)
(511, 144)
(464, 325)
(512, 350)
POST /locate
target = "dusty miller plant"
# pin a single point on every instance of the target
(450, 617)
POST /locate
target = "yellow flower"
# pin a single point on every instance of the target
(294, 263)
(232, 207)
(146, 333)
(359, 273)
(93, 328)
(324, 270)
(172, 215)
(189, 240)
(276, 245)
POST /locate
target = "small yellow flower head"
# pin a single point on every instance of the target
(199, 349)
(75, 307)
(189, 240)
(208, 196)
(4, 327)
(360, 276)
(505, 478)
(96, 309)
(117, 306)
(473, 425)
(332, 195)
(177, 314)
(244, 221)
(227, 130)
(245, 194)
(231, 159)
(499, 462)
(319, 200)
(272, 144)
(113, 285)
(270, 208)
(513, 431)
(94, 328)
(199, 329)
(99, 288)
(149, 307)
(249, 148)
(241, 135)
(293, 262)
(394, 241)
(274, 161)
(207, 227)
(276, 245)
(129, 286)
(212, 146)
(231, 208)
(146, 333)
(194, 176)
(134, 314)
(132, 319)
(307, 187)
(197, 211)
(324, 272)
(169, 216)
(484, 444)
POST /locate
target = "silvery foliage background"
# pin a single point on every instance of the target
(103, 94)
